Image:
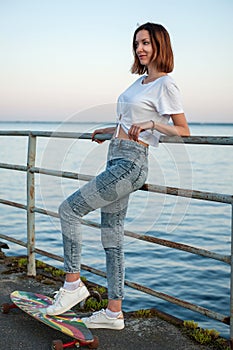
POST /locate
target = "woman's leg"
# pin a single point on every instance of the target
(112, 229)
(112, 236)
(107, 190)
(120, 178)
(74, 290)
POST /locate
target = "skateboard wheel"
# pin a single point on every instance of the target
(94, 344)
(57, 345)
(5, 308)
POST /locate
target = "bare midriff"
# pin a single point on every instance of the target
(122, 135)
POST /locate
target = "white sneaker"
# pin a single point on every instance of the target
(66, 299)
(99, 319)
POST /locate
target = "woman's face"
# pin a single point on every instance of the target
(144, 49)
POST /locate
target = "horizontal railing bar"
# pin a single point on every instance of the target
(46, 212)
(49, 255)
(65, 134)
(180, 246)
(163, 296)
(36, 250)
(202, 195)
(151, 239)
(13, 166)
(147, 238)
(192, 140)
(201, 140)
(174, 191)
(13, 204)
(206, 140)
(13, 240)
(65, 174)
(55, 134)
(212, 314)
(15, 132)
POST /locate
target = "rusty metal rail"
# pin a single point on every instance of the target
(31, 209)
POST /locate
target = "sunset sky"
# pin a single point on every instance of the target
(60, 57)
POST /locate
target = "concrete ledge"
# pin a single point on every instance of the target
(20, 331)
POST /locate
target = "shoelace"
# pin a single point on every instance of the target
(95, 314)
(56, 295)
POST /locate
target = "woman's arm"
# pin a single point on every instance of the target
(109, 130)
(179, 127)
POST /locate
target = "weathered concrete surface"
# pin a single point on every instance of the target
(20, 331)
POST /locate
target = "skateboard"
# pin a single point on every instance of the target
(68, 323)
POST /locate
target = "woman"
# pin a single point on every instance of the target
(144, 110)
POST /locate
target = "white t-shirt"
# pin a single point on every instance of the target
(156, 101)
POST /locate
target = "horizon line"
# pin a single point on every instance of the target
(95, 121)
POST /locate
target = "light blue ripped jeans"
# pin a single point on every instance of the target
(126, 171)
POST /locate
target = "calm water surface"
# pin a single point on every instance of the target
(202, 224)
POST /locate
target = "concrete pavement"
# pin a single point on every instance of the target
(20, 331)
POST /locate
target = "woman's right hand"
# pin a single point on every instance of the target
(97, 131)
(110, 130)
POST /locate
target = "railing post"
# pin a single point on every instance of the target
(231, 288)
(31, 269)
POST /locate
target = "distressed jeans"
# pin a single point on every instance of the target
(126, 171)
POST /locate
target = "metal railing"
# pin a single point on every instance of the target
(31, 209)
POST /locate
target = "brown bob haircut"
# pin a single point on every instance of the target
(161, 44)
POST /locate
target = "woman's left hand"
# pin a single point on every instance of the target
(134, 131)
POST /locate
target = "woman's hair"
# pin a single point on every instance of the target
(161, 45)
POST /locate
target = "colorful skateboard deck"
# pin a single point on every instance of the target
(69, 323)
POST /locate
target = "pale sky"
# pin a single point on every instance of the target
(60, 57)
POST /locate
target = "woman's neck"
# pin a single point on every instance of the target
(153, 75)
